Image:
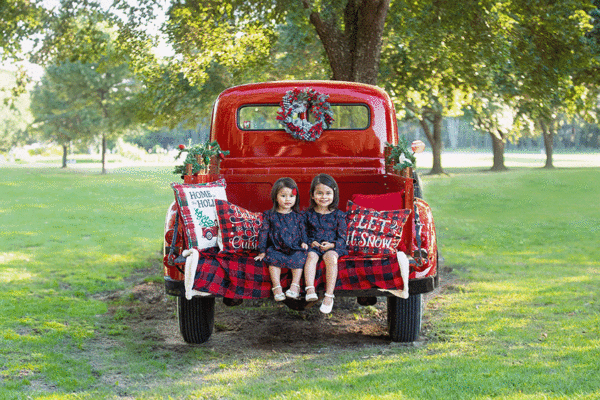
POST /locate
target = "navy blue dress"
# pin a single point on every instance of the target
(281, 237)
(330, 227)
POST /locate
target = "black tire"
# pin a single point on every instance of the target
(404, 317)
(196, 318)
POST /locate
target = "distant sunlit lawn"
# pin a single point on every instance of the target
(520, 318)
(465, 161)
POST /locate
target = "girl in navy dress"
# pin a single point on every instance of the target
(282, 241)
(326, 230)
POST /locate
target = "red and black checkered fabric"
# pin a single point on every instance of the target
(238, 228)
(241, 277)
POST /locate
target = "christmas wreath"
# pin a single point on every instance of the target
(295, 106)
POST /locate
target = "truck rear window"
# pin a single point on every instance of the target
(260, 117)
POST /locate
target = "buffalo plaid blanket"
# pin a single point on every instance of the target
(241, 277)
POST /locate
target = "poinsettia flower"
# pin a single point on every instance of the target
(181, 147)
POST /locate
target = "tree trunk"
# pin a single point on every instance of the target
(64, 157)
(434, 138)
(355, 51)
(103, 154)
(498, 145)
(548, 133)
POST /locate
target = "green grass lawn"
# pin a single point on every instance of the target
(520, 318)
(67, 237)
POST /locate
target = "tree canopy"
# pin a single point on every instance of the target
(534, 60)
(552, 63)
(60, 110)
(20, 19)
(14, 118)
(88, 89)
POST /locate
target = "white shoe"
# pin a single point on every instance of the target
(278, 296)
(326, 309)
(311, 296)
(291, 294)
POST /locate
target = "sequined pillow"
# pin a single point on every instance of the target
(238, 228)
(374, 233)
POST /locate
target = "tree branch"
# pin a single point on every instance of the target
(334, 43)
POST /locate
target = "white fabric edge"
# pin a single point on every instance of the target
(191, 265)
(404, 271)
(197, 293)
(395, 292)
(422, 273)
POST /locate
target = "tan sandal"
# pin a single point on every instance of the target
(278, 296)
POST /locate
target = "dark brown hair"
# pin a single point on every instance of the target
(328, 181)
(285, 183)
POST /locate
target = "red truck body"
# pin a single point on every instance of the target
(353, 152)
(258, 157)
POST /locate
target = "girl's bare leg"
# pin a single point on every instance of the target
(331, 271)
(275, 273)
(310, 270)
(296, 276)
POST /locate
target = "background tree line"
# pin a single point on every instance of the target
(515, 69)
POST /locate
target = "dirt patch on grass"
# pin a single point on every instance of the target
(263, 325)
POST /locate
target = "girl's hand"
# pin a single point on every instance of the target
(315, 244)
(304, 246)
(327, 246)
(259, 257)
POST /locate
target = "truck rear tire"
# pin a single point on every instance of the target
(404, 317)
(196, 318)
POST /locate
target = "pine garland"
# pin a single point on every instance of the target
(205, 151)
(401, 155)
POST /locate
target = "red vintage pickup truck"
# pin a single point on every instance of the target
(299, 129)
